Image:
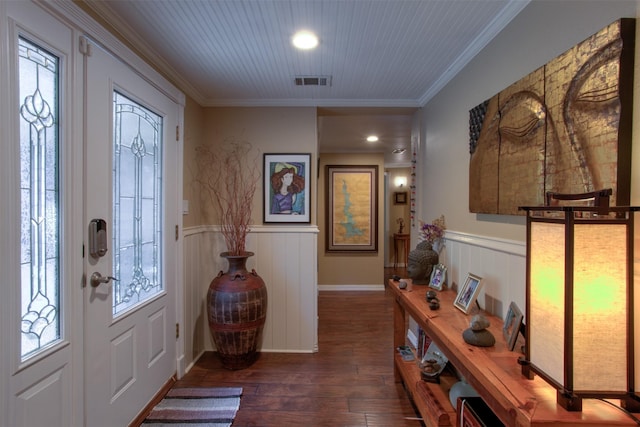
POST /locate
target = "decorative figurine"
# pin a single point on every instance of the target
(420, 263)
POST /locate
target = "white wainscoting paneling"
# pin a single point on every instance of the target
(286, 259)
(501, 263)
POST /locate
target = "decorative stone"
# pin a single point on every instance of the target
(477, 334)
(479, 322)
(483, 338)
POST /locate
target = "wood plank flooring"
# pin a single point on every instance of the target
(349, 382)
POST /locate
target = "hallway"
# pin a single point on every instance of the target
(349, 382)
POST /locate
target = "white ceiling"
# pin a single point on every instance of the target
(378, 53)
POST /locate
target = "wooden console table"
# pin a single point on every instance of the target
(492, 371)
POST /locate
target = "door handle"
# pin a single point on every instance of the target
(97, 279)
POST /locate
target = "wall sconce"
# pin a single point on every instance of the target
(400, 181)
(579, 312)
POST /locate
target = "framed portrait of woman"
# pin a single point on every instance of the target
(286, 188)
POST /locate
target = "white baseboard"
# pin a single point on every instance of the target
(350, 288)
(180, 366)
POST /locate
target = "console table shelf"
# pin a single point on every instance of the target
(431, 399)
(493, 371)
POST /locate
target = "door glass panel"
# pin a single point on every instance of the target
(137, 210)
(39, 194)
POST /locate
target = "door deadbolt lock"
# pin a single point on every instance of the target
(98, 238)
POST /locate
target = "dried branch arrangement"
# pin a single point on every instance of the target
(230, 175)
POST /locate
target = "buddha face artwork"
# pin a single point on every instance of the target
(565, 127)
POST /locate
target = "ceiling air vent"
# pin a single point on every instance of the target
(312, 80)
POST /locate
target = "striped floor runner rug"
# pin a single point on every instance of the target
(196, 407)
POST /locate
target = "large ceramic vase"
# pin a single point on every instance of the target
(237, 309)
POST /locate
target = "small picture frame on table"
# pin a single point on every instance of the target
(438, 276)
(468, 293)
(511, 327)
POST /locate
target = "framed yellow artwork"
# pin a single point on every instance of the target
(352, 206)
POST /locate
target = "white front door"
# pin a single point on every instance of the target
(41, 246)
(130, 259)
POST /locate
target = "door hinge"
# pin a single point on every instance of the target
(177, 330)
(177, 233)
(177, 132)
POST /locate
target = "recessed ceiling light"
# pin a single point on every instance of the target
(305, 40)
(372, 138)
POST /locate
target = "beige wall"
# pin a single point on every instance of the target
(357, 268)
(268, 129)
(395, 211)
(193, 137)
(490, 245)
(284, 130)
(443, 157)
(542, 31)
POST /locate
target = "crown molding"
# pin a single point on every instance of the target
(513, 8)
(70, 12)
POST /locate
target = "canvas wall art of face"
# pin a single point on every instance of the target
(565, 127)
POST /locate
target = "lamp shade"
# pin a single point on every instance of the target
(400, 181)
(579, 316)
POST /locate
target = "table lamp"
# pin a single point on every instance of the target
(579, 301)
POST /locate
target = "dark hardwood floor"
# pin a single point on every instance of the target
(348, 382)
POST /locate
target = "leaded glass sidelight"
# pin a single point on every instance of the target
(137, 197)
(39, 197)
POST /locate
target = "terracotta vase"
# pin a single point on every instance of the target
(237, 309)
